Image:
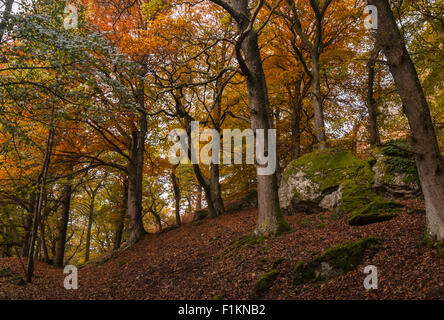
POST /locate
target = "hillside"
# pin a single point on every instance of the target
(189, 263)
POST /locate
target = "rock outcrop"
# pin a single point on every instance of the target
(334, 181)
(396, 176)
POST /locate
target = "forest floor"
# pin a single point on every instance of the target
(189, 263)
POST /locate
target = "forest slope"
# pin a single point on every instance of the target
(189, 263)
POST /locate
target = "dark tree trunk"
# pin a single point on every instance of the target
(216, 194)
(62, 226)
(28, 227)
(371, 102)
(199, 199)
(135, 174)
(428, 158)
(177, 196)
(88, 231)
(42, 234)
(120, 225)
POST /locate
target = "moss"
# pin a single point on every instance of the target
(329, 169)
(414, 211)
(377, 211)
(17, 280)
(201, 214)
(6, 272)
(122, 263)
(236, 245)
(427, 242)
(304, 222)
(220, 297)
(261, 264)
(321, 226)
(265, 281)
(355, 176)
(335, 261)
(277, 262)
(282, 227)
(399, 159)
(197, 223)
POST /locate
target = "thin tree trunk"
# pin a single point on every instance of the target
(28, 226)
(428, 158)
(371, 102)
(42, 233)
(62, 226)
(5, 18)
(317, 102)
(177, 196)
(41, 185)
(120, 225)
(88, 231)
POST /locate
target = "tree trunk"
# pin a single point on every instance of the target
(199, 198)
(120, 225)
(177, 196)
(62, 226)
(371, 102)
(135, 173)
(317, 102)
(42, 234)
(428, 158)
(216, 195)
(41, 185)
(5, 18)
(296, 107)
(88, 231)
(28, 226)
(270, 220)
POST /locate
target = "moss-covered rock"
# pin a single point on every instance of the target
(396, 175)
(17, 280)
(335, 181)
(200, 214)
(335, 261)
(6, 272)
(376, 211)
(316, 180)
(265, 281)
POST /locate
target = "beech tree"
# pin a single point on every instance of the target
(428, 157)
(270, 220)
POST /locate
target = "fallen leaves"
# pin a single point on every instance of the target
(187, 263)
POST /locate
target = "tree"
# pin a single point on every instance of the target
(270, 220)
(428, 158)
(315, 47)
